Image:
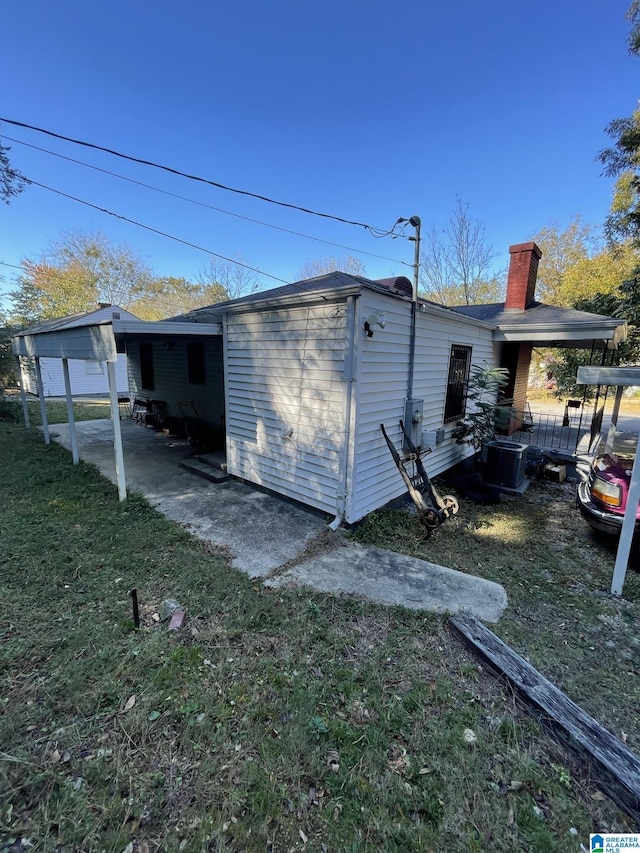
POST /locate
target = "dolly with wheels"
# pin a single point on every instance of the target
(433, 509)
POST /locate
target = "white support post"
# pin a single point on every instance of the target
(628, 528)
(72, 424)
(23, 395)
(611, 435)
(43, 404)
(117, 434)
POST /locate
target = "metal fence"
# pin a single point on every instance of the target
(575, 428)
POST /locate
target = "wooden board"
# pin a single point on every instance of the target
(618, 768)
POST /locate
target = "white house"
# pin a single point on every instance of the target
(297, 380)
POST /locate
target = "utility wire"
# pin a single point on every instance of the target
(157, 231)
(200, 203)
(376, 232)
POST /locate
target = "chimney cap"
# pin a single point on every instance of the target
(526, 247)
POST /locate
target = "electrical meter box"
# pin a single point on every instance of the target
(413, 413)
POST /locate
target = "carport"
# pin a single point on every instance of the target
(63, 338)
(621, 377)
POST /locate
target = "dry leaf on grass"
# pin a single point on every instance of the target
(128, 705)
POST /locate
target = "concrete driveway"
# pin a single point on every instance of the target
(272, 538)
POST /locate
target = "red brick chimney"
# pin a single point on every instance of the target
(523, 271)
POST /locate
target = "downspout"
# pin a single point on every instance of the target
(349, 374)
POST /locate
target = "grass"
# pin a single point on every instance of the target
(273, 720)
(88, 409)
(557, 574)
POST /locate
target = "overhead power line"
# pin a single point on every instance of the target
(376, 232)
(157, 231)
(200, 203)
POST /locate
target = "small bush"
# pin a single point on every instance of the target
(10, 411)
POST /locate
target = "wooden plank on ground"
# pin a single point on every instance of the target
(618, 768)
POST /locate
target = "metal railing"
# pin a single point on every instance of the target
(553, 431)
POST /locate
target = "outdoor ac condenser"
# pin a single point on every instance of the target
(506, 463)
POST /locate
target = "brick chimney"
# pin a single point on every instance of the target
(523, 271)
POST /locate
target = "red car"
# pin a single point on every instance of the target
(602, 498)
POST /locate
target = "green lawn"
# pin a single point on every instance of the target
(83, 410)
(272, 721)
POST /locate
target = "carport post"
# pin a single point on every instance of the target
(72, 424)
(23, 396)
(614, 420)
(628, 527)
(43, 405)
(117, 434)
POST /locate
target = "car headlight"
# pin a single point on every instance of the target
(606, 492)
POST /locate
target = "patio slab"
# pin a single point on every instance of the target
(268, 536)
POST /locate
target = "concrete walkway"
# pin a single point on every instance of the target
(270, 537)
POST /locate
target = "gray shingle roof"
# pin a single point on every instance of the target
(536, 314)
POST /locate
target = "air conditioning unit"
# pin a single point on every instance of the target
(505, 463)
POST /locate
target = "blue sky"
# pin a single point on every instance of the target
(365, 109)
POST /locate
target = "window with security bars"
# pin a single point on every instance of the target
(459, 367)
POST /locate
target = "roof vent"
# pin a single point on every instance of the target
(399, 283)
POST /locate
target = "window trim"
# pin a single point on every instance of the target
(456, 394)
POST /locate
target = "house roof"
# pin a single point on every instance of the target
(315, 289)
(550, 323)
(104, 314)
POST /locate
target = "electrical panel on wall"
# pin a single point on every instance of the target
(413, 415)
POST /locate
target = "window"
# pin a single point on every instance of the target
(195, 363)
(146, 367)
(94, 368)
(459, 366)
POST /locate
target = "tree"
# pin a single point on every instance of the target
(456, 263)
(328, 264)
(169, 296)
(78, 271)
(622, 160)
(44, 291)
(224, 280)
(601, 274)
(12, 182)
(561, 250)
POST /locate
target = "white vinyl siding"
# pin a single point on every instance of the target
(381, 391)
(436, 335)
(285, 392)
(82, 382)
(383, 362)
